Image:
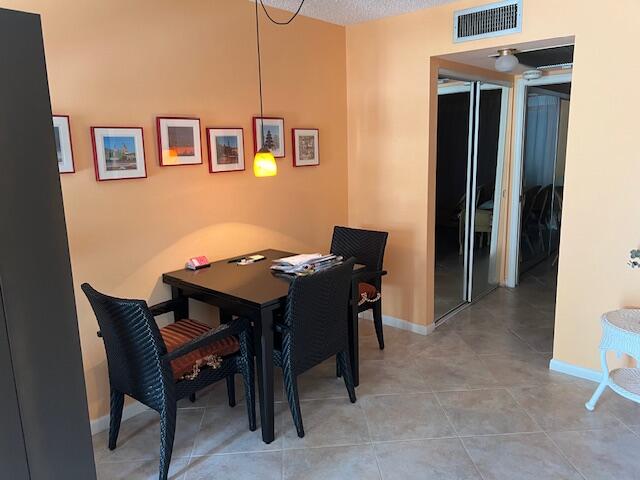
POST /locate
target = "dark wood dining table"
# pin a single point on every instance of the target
(253, 291)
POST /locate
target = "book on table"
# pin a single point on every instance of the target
(305, 263)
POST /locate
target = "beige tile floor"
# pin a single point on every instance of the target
(474, 400)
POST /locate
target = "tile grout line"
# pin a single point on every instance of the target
(460, 440)
(548, 436)
(371, 444)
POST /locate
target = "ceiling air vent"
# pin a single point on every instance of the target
(492, 20)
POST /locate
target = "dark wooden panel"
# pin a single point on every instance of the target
(34, 264)
(13, 456)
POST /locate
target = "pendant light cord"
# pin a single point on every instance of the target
(259, 57)
(259, 73)
(277, 22)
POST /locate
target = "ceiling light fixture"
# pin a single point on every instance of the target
(264, 163)
(506, 60)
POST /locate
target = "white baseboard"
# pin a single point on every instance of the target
(575, 371)
(101, 424)
(401, 324)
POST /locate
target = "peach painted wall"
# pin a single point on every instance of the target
(390, 179)
(121, 62)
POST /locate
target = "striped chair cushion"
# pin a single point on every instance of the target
(183, 331)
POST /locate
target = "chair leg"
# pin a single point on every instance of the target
(192, 397)
(291, 387)
(345, 366)
(338, 372)
(117, 402)
(248, 379)
(167, 434)
(231, 390)
(377, 322)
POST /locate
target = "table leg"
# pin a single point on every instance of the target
(264, 359)
(353, 334)
(182, 311)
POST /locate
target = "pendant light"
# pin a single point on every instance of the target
(264, 163)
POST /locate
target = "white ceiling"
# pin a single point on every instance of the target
(344, 12)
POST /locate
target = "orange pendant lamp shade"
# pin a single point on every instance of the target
(264, 164)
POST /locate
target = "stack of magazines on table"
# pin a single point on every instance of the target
(305, 264)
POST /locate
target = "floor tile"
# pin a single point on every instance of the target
(458, 372)
(246, 466)
(482, 412)
(332, 463)
(625, 410)
(226, 430)
(438, 344)
(523, 369)
(491, 343)
(405, 417)
(141, 470)
(539, 339)
(381, 377)
(321, 382)
(326, 422)
(602, 454)
(561, 407)
(530, 456)
(139, 437)
(442, 459)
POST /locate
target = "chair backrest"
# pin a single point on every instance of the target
(366, 246)
(316, 316)
(133, 344)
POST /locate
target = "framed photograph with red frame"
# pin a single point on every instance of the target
(306, 147)
(64, 147)
(118, 153)
(226, 149)
(269, 132)
(178, 141)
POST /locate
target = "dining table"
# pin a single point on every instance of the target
(253, 291)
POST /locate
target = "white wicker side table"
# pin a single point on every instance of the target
(621, 334)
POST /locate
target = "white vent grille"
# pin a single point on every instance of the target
(491, 20)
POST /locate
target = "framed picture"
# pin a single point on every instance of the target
(179, 141)
(269, 132)
(226, 149)
(64, 150)
(118, 153)
(306, 147)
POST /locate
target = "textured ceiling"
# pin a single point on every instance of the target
(344, 12)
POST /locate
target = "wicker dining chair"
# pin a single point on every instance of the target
(313, 329)
(367, 247)
(152, 364)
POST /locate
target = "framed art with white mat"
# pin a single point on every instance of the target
(64, 149)
(306, 147)
(118, 153)
(179, 141)
(269, 132)
(226, 149)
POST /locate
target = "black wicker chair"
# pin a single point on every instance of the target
(314, 329)
(140, 366)
(367, 247)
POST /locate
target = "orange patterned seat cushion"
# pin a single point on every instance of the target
(177, 334)
(368, 293)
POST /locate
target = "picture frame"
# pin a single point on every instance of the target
(64, 146)
(306, 147)
(179, 141)
(226, 149)
(118, 153)
(273, 132)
